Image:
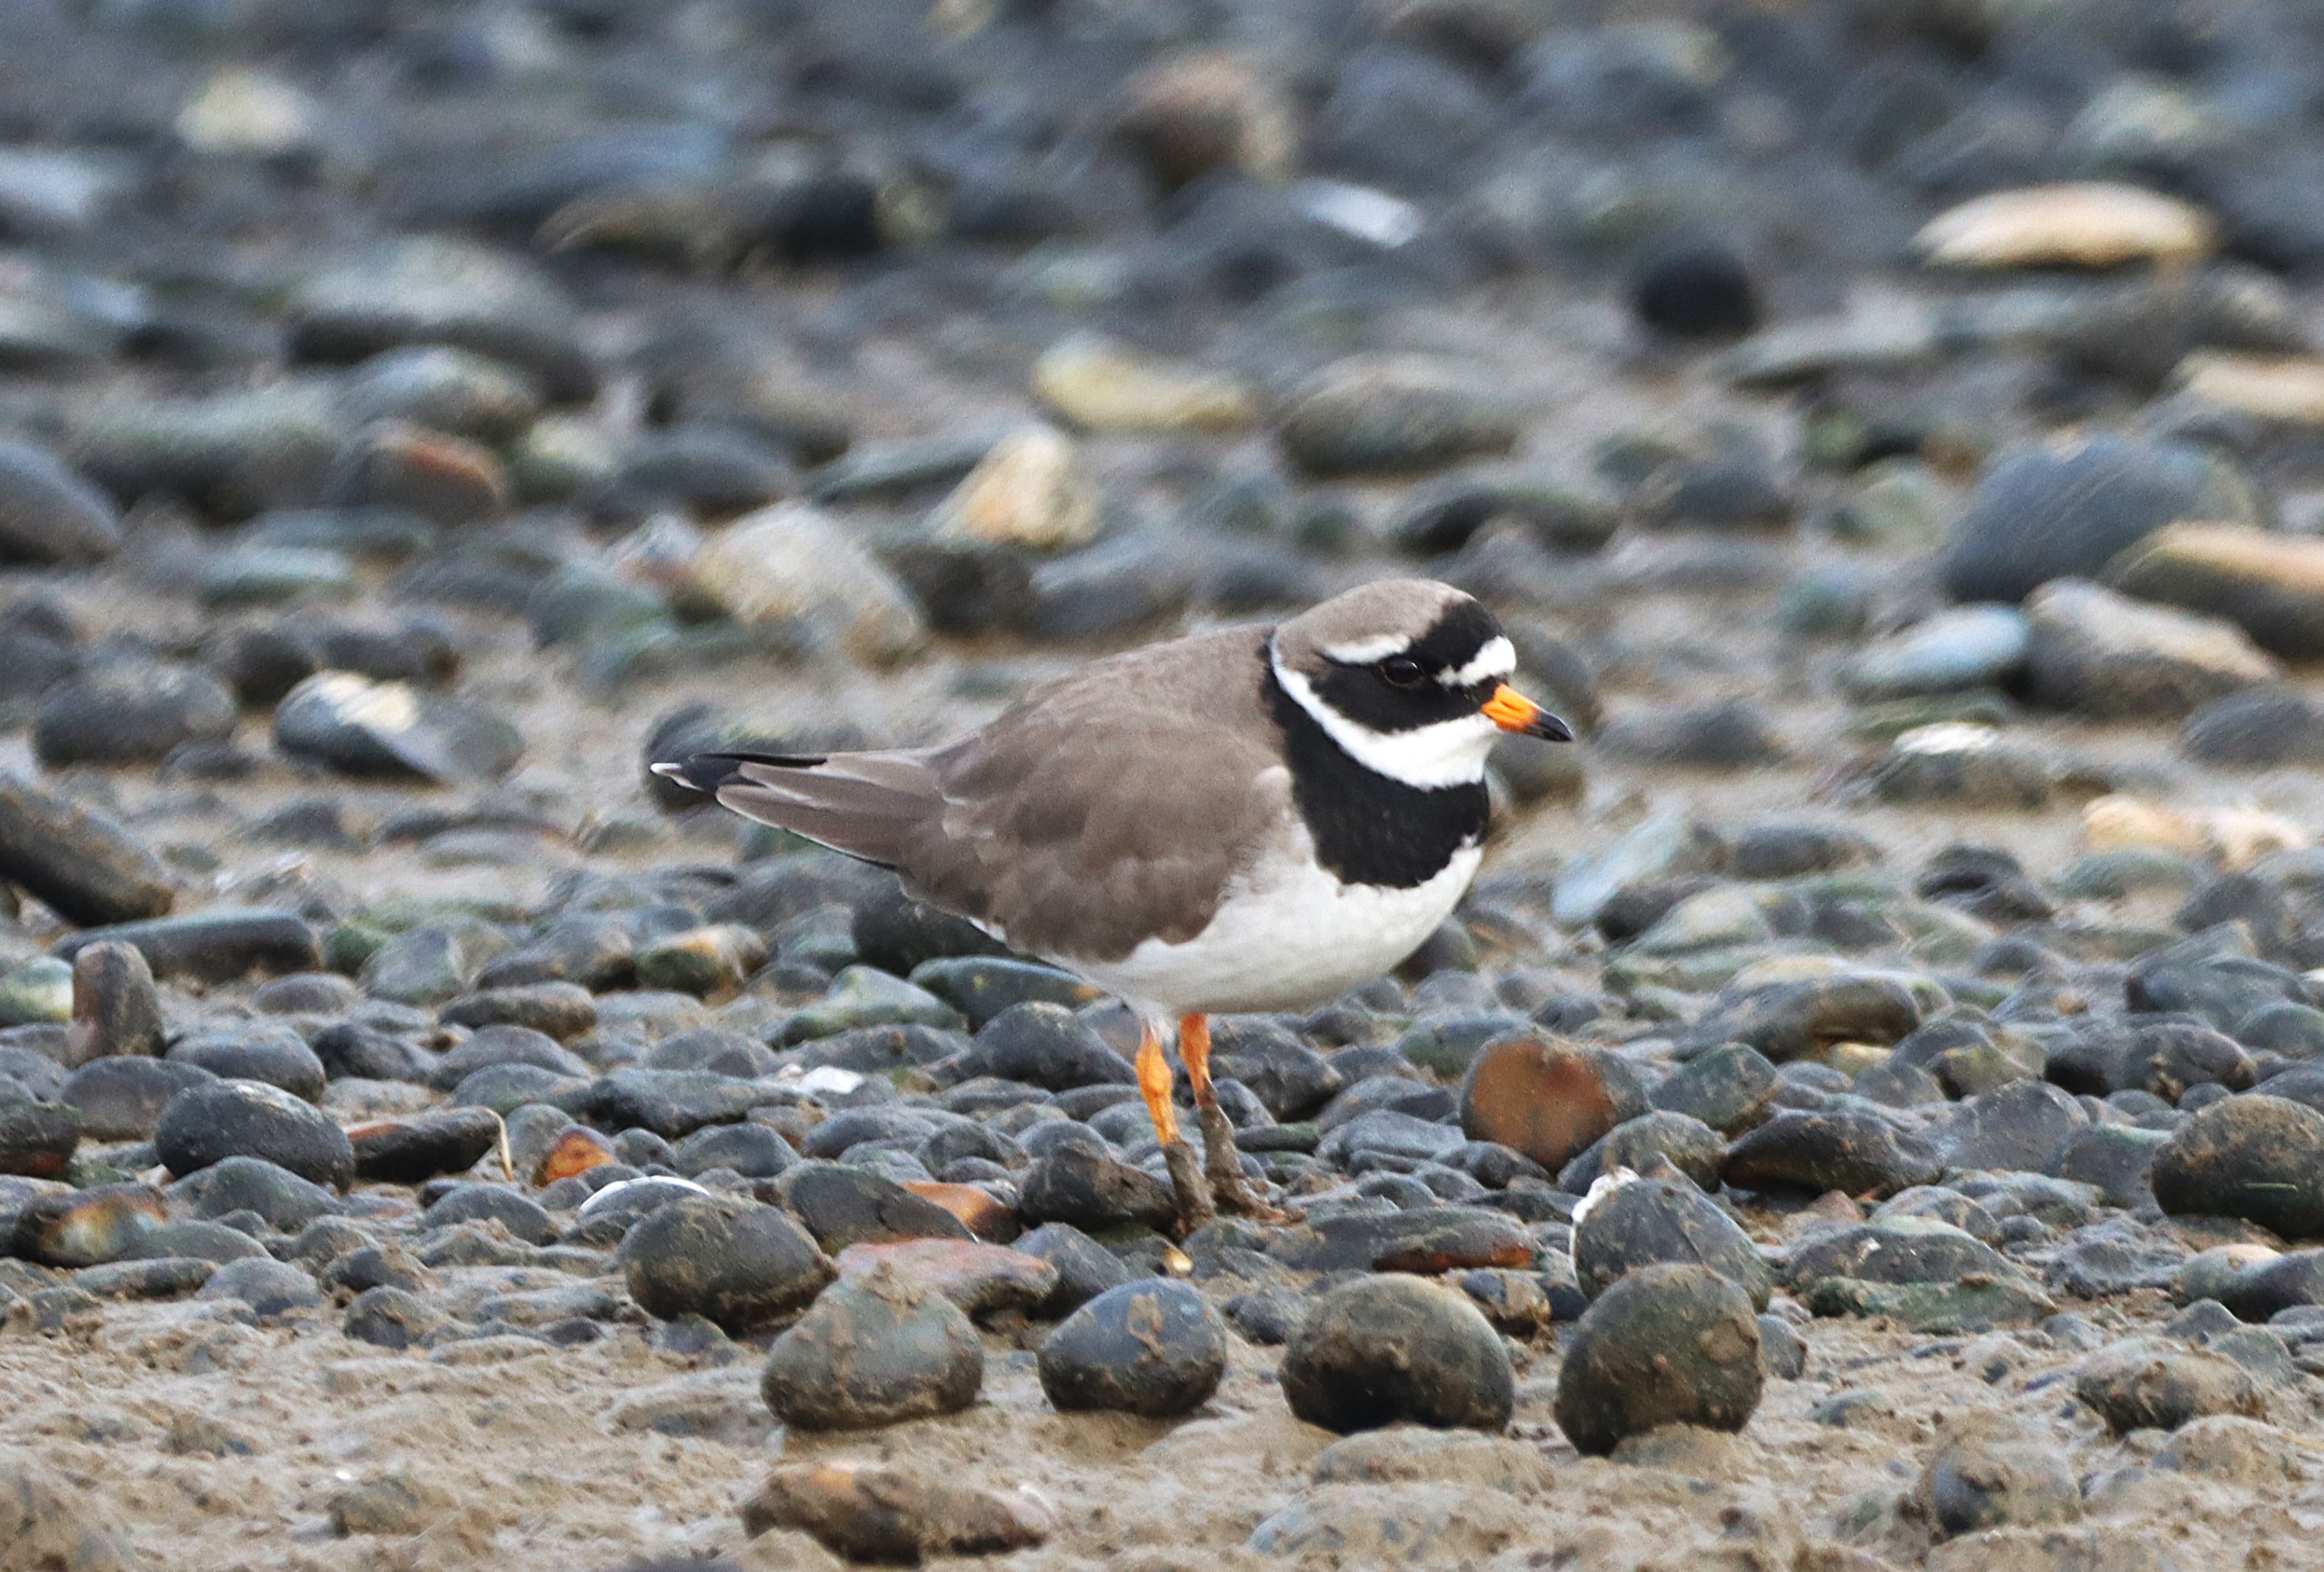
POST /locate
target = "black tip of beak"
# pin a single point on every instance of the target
(1550, 729)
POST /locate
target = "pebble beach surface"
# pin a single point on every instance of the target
(1869, 1113)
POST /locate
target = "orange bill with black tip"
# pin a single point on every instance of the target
(1511, 711)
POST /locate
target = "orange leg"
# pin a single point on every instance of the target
(1222, 1160)
(1154, 1084)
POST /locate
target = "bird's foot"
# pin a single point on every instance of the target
(1223, 1165)
(1187, 1184)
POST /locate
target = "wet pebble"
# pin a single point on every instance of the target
(1079, 1184)
(1990, 1472)
(1153, 1347)
(1649, 1221)
(1666, 1345)
(1085, 1268)
(891, 1515)
(2158, 1384)
(121, 1098)
(871, 1352)
(735, 1263)
(271, 1289)
(1545, 1099)
(209, 1123)
(51, 515)
(129, 713)
(2256, 1158)
(357, 727)
(37, 1138)
(87, 1227)
(1395, 1348)
(1816, 1152)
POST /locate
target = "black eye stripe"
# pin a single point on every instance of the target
(1358, 693)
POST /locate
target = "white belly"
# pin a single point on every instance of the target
(1296, 941)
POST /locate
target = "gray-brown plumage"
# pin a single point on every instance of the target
(1101, 809)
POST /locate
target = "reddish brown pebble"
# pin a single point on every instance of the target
(1544, 1098)
(978, 1211)
(869, 1514)
(577, 1151)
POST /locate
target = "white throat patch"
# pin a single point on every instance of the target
(1448, 753)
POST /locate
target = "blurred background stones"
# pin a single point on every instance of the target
(1870, 1098)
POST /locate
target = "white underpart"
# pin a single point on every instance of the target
(1364, 651)
(1448, 753)
(1288, 935)
(1495, 659)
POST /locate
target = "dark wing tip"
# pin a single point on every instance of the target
(707, 772)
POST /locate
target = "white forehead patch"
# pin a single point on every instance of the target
(1497, 659)
(1364, 651)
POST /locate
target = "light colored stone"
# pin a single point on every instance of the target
(2091, 225)
(1098, 385)
(242, 111)
(2120, 822)
(2286, 388)
(2105, 655)
(1028, 491)
(791, 563)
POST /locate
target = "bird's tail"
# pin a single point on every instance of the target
(865, 805)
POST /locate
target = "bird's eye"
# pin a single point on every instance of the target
(1401, 671)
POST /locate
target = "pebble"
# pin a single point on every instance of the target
(1669, 1343)
(115, 1008)
(213, 946)
(2256, 1158)
(843, 1204)
(2068, 508)
(49, 515)
(522, 1218)
(1028, 491)
(1993, 1473)
(1082, 1186)
(737, 1265)
(1152, 1348)
(984, 1279)
(1394, 1348)
(1694, 286)
(244, 1188)
(271, 1289)
(1545, 1099)
(1199, 112)
(129, 713)
(1392, 416)
(215, 1120)
(87, 1227)
(1085, 1268)
(1097, 385)
(791, 566)
(871, 1352)
(889, 1515)
(1644, 1221)
(443, 291)
(357, 727)
(1820, 1151)
(2105, 655)
(1965, 648)
(122, 1099)
(2086, 224)
(37, 1138)
(2157, 1384)
(279, 1057)
(2269, 585)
